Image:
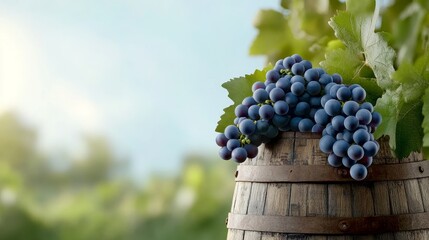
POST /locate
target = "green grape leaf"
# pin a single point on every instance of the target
(359, 7)
(414, 78)
(238, 89)
(388, 106)
(272, 35)
(357, 33)
(409, 132)
(352, 72)
(425, 123)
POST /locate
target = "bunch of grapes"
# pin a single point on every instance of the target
(349, 124)
(297, 97)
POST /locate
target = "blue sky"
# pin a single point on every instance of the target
(145, 74)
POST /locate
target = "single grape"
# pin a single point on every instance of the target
(272, 76)
(260, 95)
(224, 153)
(355, 152)
(358, 172)
(297, 88)
(368, 106)
(340, 148)
(262, 126)
(334, 160)
(302, 109)
(351, 123)
(364, 116)
(298, 69)
(284, 83)
(348, 162)
(307, 64)
(281, 107)
(339, 136)
(221, 140)
(233, 144)
(232, 132)
(297, 58)
(291, 99)
(361, 136)
(314, 88)
(279, 63)
(320, 71)
(344, 94)
(266, 112)
(305, 125)
(239, 154)
(317, 128)
(370, 148)
(326, 143)
(252, 150)
(330, 130)
(249, 101)
(358, 94)
(328, 87)
(277, 94)
(311, 75)
(258, 85)
(350, 108)
(312, 112)
(333, 107)
(288, 62)
(253, 112)
(337, 78)
(376, 119)
(338, 123)
(247, 127)
(241, 110)
(325, 79)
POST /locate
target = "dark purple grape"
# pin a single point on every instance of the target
(355, 152)
(333, 107)
(241, 110)
(224, 153)
(361, 136)
(364, 116)
(258, 85)
(317, 128)
(294, 123)
(262, 126)
(277, 94)
(248, 101)
(370, 148)
(344, 94)
(233, 144)
(247, 127)
(351, 123)
(260, 95)
(253, 112)
(302, 109)
(368, 106)
(314, 88)
(297, 58)
(340, 148)
(252, 150)
(284, 83)
(297, 88)
(311, 75)
(288, 62)
(358, 94)
(350, 108)
(298, 69)
(337, 78)
(338, 123)
(232, 132)
(272, 76)
(348, 162)
(366, 161)
(334, 160)
(325, 79)
(266, 112)
(281, 107)
(280, 121)
(221, 140)
(326, 143)
(291, 99)
(239, 154)
(307, 64)
(305, 125)
(358, 172)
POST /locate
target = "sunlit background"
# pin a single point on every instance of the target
(108, 110)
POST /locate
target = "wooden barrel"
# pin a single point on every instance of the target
(289, 192)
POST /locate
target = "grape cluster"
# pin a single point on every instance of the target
(349, 124)
(297, 97)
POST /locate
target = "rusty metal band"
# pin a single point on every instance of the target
(324, 173)
(329, 225)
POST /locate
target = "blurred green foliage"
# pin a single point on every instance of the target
(93, 198)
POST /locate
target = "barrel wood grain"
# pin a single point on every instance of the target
(356, 199)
